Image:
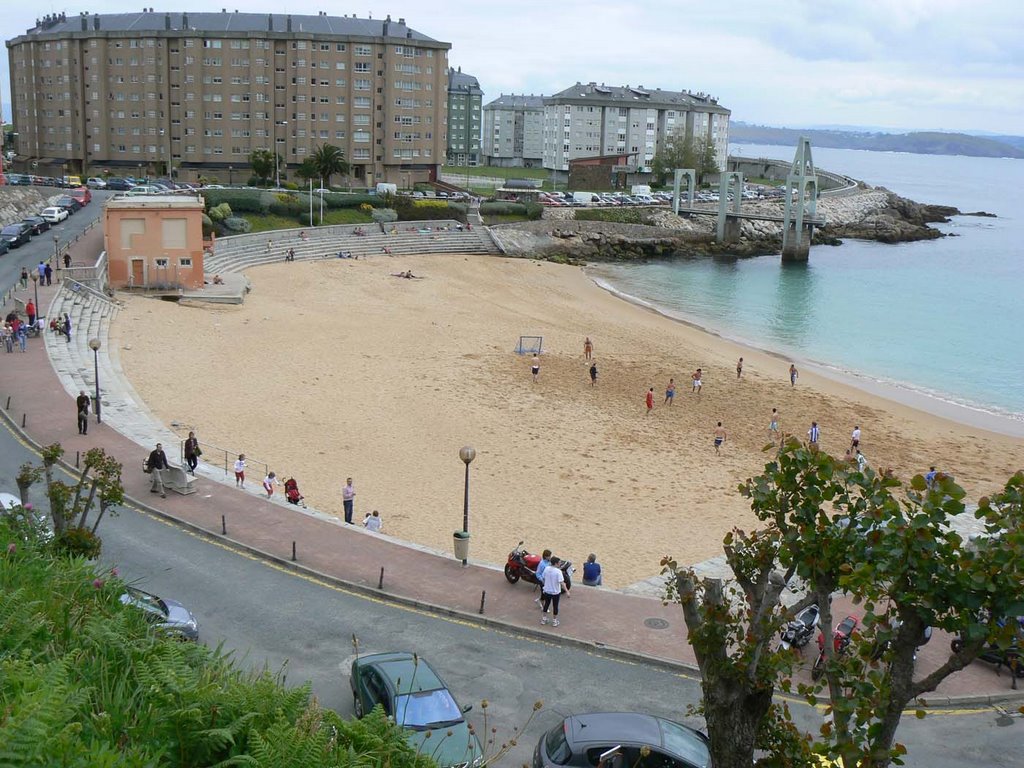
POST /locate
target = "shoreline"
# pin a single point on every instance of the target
(941, 405)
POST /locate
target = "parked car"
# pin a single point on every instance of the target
(69, 204)
(122, 185)
(16, 234)
(169, 616)
(41, 522)
(95, 182)
(54, 214)
(145, 189)
(580, 740)
(38, 224)
(415, 698)
(82, 195)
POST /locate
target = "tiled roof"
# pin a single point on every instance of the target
(460, 81)
(635, 96)
(516, 100)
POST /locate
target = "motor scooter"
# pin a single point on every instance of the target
(523, 565)
(798, 632)
(840, 642)
(993, 653)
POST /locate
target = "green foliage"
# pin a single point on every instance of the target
(290, 185)
(410, 209)
(207, 225)
(384, 215)
(681, 151)
(346, 216)
(263, 164)
(307, 169)
(78, 542)
(220, 212)
(502, 208)
(240, 200)
(616, 215)
(328, 160)
(237, 225)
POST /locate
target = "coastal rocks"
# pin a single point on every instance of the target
(891, 219)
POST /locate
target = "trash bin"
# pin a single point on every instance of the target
(461, 541)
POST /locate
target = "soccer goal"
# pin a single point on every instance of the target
(530, 345)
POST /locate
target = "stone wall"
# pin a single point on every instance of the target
(18, 202)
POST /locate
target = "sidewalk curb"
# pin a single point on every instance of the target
(613, 652)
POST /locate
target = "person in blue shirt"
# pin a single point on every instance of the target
(592, 571)
(545, 561)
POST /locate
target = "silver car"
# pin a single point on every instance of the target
(168, 615)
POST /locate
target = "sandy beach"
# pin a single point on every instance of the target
(334, 369)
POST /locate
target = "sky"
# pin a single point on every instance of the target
(893, 64)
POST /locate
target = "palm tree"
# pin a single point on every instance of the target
(329, 160)
(308, 169)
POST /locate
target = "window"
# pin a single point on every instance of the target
(362, 50)
(361, 85)
(361, 66)
(161, 263)
(185, 262)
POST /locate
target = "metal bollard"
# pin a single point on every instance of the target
(483, 597)
(78, 455)
(23, 420)
(293, 551)
(8, 406)
(380, 581)
(223, 526)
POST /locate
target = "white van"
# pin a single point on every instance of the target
(585, 198)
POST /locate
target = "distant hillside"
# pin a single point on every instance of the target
(921, 142)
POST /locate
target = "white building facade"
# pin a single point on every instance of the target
(514, 131)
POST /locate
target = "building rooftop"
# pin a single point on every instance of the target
(512, 100)
(159, 21)
(636, 96)
(155, 201)
(460, 81)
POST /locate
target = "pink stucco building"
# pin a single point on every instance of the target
(154, 241)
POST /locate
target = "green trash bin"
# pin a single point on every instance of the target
(461, 542)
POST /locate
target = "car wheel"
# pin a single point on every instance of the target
(357, 705)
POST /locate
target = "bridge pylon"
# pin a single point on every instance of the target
(728, 230)
(801, 204)
(691, 182)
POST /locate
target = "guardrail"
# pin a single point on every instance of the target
(215, 456)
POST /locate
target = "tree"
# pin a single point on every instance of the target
(329, 160)
(705, 158)
(675, 151)
(832, 527)
(307, 169)
(263, 164)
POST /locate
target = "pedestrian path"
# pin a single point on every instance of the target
(42, 383)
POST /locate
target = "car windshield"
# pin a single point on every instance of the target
(685, 744)
(13, 229)
(427, 709)
(556, 745)
(148, 602)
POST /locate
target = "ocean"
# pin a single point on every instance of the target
(939, 318)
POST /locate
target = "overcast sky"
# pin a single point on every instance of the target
(903, 64)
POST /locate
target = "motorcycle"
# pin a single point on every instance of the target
(522, 565)
(1009, 657)
(880, 647)
(840, 642)
(798, 632)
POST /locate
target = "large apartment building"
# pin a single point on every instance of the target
(464, 100)
(590, 120)
(514, 131)
(131, 91)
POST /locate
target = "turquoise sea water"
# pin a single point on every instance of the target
(943, 317)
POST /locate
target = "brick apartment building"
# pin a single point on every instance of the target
(126, 92)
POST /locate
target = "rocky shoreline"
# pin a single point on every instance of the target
(864, 213)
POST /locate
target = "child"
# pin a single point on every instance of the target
(372, 521)
(268, 484)
(649, 400)
(240, 471)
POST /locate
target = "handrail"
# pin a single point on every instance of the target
(228, 457)
(73, 286)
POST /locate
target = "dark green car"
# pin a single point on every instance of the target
(417, 699)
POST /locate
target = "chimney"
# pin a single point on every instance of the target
(270, 22)
(85, 23)
(95, 22)
(167, 21)
(386, 25)
(401, 21)
(184, 21)
(288, 23)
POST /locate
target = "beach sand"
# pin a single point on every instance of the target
(334, 369)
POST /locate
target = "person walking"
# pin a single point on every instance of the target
(649, 400)
(813, 434)
(593, 374)
(554, 585)
(588, 349)
(535, 368)
(24, 278)
(268, 484)
(793, 374)
(240, 471)
(719, 438)
(83, 420)
(48, 273)
(157, 464)
(30, 310)
(67, 327)
(739, 367)
(192, 452)
(697, 380)
(22, 336)
(67, 260)
(670, 392)
(348, 497)
(855, 438)
(82, 403)
(41, 269)
(592, 571)
(773, 426)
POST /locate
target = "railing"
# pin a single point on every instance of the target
(73, 286)
(216, 456)
(94, 275)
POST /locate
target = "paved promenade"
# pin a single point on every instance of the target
(629, 625)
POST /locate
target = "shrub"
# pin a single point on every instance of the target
(220, 212)
(237, 225)
(207, 225)
(79, 542)
(290, 185)
(502, 209)
(240, 200)
(384, 215)
(426, 210)
(614, 215)
(344, 200)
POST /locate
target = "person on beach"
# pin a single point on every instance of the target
(270, 245)
(813, 434)
(348, 497)
(592, 571)
(593, 374)
(535, 368)
(649, 400)
(855, 438)
(719, 438)
(739, 367)
(554, 585)
(24, 278)
(697, 383)
(48, 274)
(192, 452)
(157, 463)
(929, 478)
(588, 348)
(290, 256)
(268, 484)
(792, 375)
(372, 521)
(240, 471)
(862, 463)
(773, 426)
(670, 392)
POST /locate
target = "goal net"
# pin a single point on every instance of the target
(530, 345)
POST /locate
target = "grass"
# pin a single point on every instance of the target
(271, 221)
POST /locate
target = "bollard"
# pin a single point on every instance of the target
(483, 597)
(8, 406)
(223, 526)
(23, 420)
(380, 581)
(293, 551)
(78, 455)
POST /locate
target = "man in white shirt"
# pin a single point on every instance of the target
(554, 585)
(855, 439)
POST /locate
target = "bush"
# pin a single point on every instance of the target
(614, 215)
(207, 225)
(236, 225)
(79, 542)
(427, 210)
(240, 200)
(384, 215)
(343, 200)
(220, 212)
(502, 209)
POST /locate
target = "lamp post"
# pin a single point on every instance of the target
(34, 274)
(467, 454)
(94, 345)
(167, 165)
(231, 175)
(277, 161)
(56, 251)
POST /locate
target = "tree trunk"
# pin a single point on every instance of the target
(733, 717)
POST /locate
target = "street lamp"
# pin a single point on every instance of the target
(94, 345)
(231, 175)
(277, 161)
(56, 250)
(170, 175)
(467, 454)
(34, 274)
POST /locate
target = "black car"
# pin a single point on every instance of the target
(121, 185)
(38, 224)
(625, 740)
(16, 234)
(69, 204)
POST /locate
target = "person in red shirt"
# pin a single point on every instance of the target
(650, 400)
(30, 310)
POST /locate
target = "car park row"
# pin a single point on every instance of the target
(21, 232)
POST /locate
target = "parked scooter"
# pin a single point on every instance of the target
(798, 632)
(522, 565)
(1009, 657)
(840, 642)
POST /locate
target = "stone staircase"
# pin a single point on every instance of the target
(240, 252)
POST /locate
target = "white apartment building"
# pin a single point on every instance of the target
(514, 131)
(589, 120)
